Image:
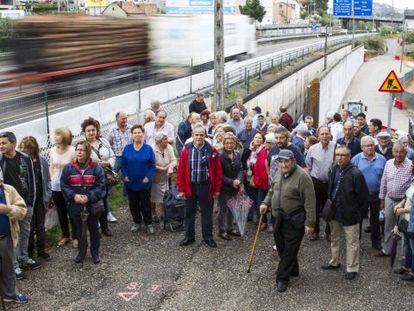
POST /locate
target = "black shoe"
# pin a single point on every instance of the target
(96, 260)
(368, 229)
(20, 274)
(330, 267)
(77, 259)
(350, 275)
(43, 255)
(186, 242)
(31, 265)
(233, 233)
(211, 243)
(282, 286)
(294, 273)
(400, 270)
(224, 236)
(407, 277)
(106, 232)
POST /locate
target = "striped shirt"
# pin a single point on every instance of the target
(198, 159)
(118, 139)
(395, 180)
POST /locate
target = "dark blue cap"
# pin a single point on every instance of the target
(285, 154)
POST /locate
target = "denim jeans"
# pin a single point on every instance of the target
(409, 253)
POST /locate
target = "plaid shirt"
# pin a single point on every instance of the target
(198, 159)
(119, 139)
(395, 180)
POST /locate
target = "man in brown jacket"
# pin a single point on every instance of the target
(12, 209)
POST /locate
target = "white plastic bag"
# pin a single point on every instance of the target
(51, 218)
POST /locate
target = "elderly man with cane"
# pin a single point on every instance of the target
(292, 199)
(12, 209)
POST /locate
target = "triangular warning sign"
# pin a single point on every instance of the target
(391, 84)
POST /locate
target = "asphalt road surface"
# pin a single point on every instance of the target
(141, 272)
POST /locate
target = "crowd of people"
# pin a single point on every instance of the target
(295, 173)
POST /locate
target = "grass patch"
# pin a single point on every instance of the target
(116, 198)
(53, 236)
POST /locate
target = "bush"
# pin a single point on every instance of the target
(375, 44)
(409, 37)
(44, 7)
(6, 34)
(385, 32)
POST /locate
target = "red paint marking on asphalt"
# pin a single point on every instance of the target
(128, 296)
(133, 289)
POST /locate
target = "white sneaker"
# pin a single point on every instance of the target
(111, 218)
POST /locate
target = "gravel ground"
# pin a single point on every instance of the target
(141, 272)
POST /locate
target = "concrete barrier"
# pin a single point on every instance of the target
(335, 81)
(291, 92)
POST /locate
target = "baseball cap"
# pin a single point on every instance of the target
(257, 109)
(270, 138)
(285, 154)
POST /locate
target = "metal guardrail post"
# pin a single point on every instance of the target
(260, 70)
(271, 63)
(227, 83)
(289, 59)
(191, 76)
(281, 62)
(245, 76)
(46, 110)
(248, 82)
(139, 90)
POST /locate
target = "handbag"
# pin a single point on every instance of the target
(328, 211)
(111, 177)
(97, 208)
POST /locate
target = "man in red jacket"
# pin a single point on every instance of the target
(199, 178)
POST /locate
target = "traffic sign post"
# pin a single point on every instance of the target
(391, 85)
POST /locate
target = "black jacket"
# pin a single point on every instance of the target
(26, 176)
(387, 155)
(196, 107)
(352, 197)
(232, 170)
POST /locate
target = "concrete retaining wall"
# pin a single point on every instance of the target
(292, 91)
(334, 82)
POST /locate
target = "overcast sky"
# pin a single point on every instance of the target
(401, 4)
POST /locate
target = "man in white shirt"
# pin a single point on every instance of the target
(337, 129)
(159, 125)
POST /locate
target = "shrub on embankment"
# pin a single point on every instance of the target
(374, 45)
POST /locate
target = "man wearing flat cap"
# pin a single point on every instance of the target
(292, 200)
(384, 146)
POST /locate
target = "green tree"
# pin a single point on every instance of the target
(254, 9)
(319, 6)
(6, 34)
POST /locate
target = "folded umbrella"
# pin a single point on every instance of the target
(240, 206)
(394, 246)
(83, 243)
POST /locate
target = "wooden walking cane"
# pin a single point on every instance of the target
(254, 243)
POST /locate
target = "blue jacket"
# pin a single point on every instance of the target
(89, 181)
(245, 138)
(137, 165)
(183, 133)
(411, 224)
(299, 142)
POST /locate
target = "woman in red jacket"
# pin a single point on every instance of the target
(253, 176)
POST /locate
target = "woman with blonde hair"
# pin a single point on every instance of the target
(165, 162)
(60, 155)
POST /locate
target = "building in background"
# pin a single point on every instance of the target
(124, 9)
(198, 6)
(409, 19)
(285, 11)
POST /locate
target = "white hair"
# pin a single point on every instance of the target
(301, 129)
(366, 139)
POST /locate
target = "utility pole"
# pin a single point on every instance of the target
(218, 103)
(402, 44)
(353, 22)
